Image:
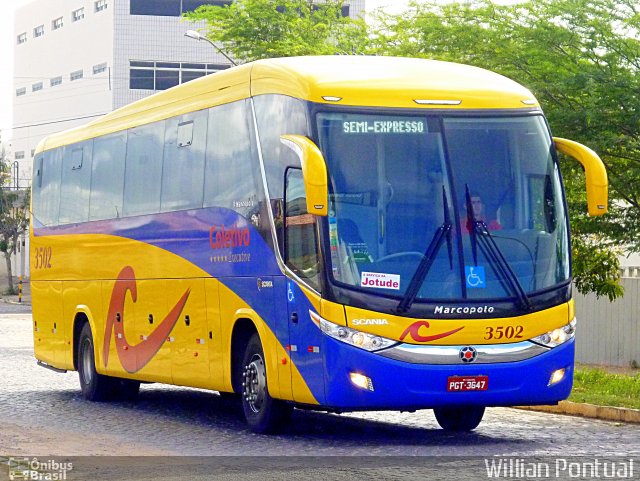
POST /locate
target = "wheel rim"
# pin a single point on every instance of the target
(87, 362)
(255, 383)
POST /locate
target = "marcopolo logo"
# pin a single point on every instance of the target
(463, 310)
(221, 237)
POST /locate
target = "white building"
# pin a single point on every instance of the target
(78, 59)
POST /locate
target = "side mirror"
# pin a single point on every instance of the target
(597, 183)
(314, 171)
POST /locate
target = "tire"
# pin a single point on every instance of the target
(459, 419)
(262, 413)
(94, 386)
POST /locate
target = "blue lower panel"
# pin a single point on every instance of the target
(401, 385)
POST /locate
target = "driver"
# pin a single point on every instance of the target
(479, 214)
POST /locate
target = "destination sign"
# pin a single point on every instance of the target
(384, 127)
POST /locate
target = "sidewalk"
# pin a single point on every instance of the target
(15, 299)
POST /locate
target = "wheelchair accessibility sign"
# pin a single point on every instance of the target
(475, 277)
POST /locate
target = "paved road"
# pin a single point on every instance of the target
(42, 413)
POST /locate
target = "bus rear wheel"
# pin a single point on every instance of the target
(94, 386)
(263, 413)
(465, 418)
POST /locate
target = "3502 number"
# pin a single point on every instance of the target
(508, 332)
(42, 258)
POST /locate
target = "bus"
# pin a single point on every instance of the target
(338, 233)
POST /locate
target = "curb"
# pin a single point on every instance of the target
(607, 413)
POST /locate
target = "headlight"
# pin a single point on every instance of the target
(557, 336)
(360, 339)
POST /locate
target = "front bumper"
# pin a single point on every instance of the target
(401, 385)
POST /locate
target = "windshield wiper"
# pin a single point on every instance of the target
(443, 232)
(479, 233)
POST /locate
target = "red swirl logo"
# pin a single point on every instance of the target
(414, 332)
(133, 358)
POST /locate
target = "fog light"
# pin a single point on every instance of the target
(556, 376)
(361, 381)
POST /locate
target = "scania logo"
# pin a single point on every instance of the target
(369, 322)
(468, 354)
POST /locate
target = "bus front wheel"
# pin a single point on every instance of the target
(263, 413)
(464, 418)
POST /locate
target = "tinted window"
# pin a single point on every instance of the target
(108, 176)
(165, 8)
(278, 115)
(76, 183)
(141, 79)
(190, 5)
(232, 174)
(46, 187)
(182, 177)
(301, 251)
(143, 170)
(165, 79)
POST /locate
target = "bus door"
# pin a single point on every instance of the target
(301, 255)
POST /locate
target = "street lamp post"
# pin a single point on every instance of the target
(198, 36)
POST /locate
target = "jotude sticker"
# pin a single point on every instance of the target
(380, 280)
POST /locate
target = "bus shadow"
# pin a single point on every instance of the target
(189, 414)
(207, 410)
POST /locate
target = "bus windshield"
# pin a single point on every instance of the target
(451, 208)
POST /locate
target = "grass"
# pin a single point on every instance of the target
(595, 386)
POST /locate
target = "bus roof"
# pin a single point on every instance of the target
(339, 80)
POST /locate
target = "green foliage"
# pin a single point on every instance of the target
(580, 58)
(596, 386)
(14, 215)
(255, 29)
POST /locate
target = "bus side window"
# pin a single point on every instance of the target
(107, 177)
(301, 245)
(76, 183)
(46, 200)
(184, 150)
(143, 169)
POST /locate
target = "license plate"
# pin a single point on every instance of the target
(467, 383)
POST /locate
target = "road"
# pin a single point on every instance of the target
(43, 414)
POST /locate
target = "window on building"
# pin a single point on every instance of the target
(56, 81)
(163, 75)
(101, 67)
(19, 155)
(77, 14)
(170, 8)
(101, 5)
(142, 79)
(191, 5)
(165, 79)
(57, 23)
(22, 38)
(78, 74)
(36, 86)
(21, 91)
(38, 31)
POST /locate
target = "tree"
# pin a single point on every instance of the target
(581, 59)
(14, 216)
(255, 29)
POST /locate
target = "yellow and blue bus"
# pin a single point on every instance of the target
(336, 233)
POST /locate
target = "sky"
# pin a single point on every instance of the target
(7, 40)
